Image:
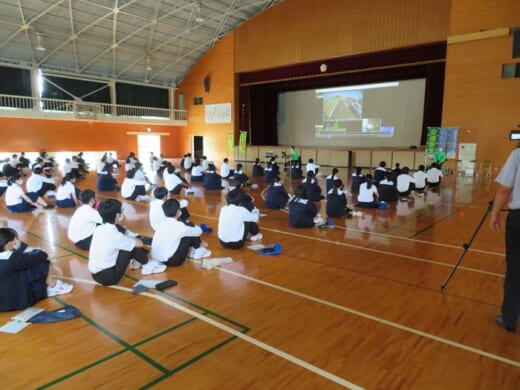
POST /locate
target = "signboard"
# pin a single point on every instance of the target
(218, 113)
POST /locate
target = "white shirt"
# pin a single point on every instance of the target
(128, 186)
(403, 182)
(311, 167)
(13, 195)
(187, 162)
(196, 170)
(225, 169)
(107, 241)
(366, 194)
(35, 181)
(231, 222)
(168, 236)
(205, 165)
(65, 191)
(419, 178)
(171, 180)
(433, 175)
(83, 222)
(156, 214)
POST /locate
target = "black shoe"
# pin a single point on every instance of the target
(500, 322)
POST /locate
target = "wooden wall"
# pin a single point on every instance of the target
(476, 98)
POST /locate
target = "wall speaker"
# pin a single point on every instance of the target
(206, 84)
(516, 43)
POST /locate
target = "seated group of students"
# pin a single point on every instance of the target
(397, 184)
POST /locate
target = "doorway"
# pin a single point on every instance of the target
(198, 146)
(147, 144)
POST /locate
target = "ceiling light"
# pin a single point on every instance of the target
(149, 63)
(40, 46)
(198, 16)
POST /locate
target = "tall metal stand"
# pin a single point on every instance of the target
(466, 247)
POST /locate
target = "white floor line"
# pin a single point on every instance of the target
(377, 319)
(227, 329)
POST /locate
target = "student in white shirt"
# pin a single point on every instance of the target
(174, 240)
(133, 188)
(405, 183)
(17, 201)
(433, 177)
(419, 178)
(312, 167)
(37, 183)
(197, 172)
(236, 224)
(84, 221)
(111, 250)
(172, 181)
(226, 170)
(156, 214)
(368, 194)
(67, 194)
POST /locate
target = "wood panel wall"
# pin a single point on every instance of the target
(476, 98)
(302, 31)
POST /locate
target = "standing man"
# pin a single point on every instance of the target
(508, 193)
(440, 157)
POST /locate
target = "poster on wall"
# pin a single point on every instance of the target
(217, 113)
(242, 141)
(444, 137)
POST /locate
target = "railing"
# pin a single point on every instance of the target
(88, 110)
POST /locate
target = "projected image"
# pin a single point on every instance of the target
(370, 125)
(342, 105)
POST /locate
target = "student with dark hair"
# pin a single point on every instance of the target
(156, 214)
(111, 250)
(405, 184)
(396, 171)
(419, 178)
(433, 177)
(296, 170)
(269, 174)
(132, 188)
(236, 224)
(226, 170)
(275, 196)
(174, 240)
(379, 172)
(39, 184)
(329, 180)
(337, 200)
(302, 210)
(312, 167)
(240, 175)
(84, 221)
(258, 169)
(387, 189)
(212, 180)
(24, 274)
(357, 179)
(312, 187)
(245, 200)
(17, 201)
(67, 194)
(105, 180)
(368, 194)
(274, 166)
(197, 173)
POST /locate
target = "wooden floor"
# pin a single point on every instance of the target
(354, 306)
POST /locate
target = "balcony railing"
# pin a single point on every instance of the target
(87, 110)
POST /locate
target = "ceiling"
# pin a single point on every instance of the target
(155, 42)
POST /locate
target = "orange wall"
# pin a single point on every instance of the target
(476, 98)
(218, 65)
(20, 134)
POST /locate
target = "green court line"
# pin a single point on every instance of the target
(115, 354)
(188, 363)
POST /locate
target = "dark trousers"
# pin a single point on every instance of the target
(138, 190)
(511, 302)
(114, 274)
(181, 253)
(84, 244)
(250, 228)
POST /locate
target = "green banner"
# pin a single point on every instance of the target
(432, 139)
(242, 141)
(230, 142)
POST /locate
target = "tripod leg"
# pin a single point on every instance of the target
(466, 247)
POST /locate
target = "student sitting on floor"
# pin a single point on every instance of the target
(236, 224)
(302, 210)
(67, 194)
(258, 169)
(84, 221)
(39, 184)
(212, 180)
(245, 200)
(132, 188)
(357, 179)
(419, 178)
(311, 167)
(24, 274)
(405, 184)
(197, 172)
(337, 200)
(329, 180)
(226, 170)
(111, 250)
(387, 189)
(269, 174)
(240, 175)
(105, 180)
(296, 170)
(312, 187)
(18, 201)
(174, 240)
(368, 194)
(275, 196)
(379, 172)
(433, 177)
